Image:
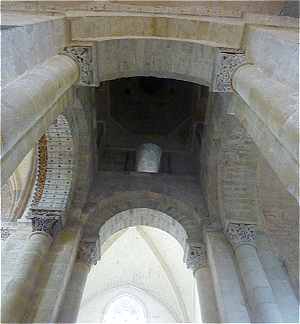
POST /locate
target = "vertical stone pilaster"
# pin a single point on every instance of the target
(230, 300)
(88, 255)
(258, 290)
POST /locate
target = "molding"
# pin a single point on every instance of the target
(240, 233)
(227, 61)
(195, 255)
(85, 56)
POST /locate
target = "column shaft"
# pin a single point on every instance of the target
(230, 300)
(258, 290)
(30, 104)
(72, 299)
(207, 298)
(273, 108)
(18, 292)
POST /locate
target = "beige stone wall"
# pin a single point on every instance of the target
(276, 211)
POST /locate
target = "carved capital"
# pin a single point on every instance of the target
(195, 255)
(239, 233)
(46, 221)
(6, 231)
(89, 252)
(85, 56)
(227, 61)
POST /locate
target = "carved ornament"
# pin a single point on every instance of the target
(227, 61)
(85, 56)
(239, 233)
(89, 252)
(195, 255)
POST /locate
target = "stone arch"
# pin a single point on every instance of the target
(155, 56)
(177, 212)
(145, 217)
(63, 157)
(80, 126)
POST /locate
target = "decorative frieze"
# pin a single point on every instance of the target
(239, 233)
(227, 61)
(85, 56)
(89, 252)
(195, 255)
(54, 174)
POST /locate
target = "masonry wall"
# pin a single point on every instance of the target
(273, 208)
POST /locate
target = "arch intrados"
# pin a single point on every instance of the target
(143, 217)
(122, 57)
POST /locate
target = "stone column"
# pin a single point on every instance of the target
(29, 106)
(196, 260)
(88, 254)
(148, 158)
(230, 300)
(258, 291)
(274, 111)
(18, 292)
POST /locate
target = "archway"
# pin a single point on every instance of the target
(137, 246)
(178, 211)
(143, 217)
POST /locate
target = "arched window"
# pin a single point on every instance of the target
(125, 309)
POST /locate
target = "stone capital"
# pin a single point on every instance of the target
(85, 56)
(227, 61)
(7, 229)
(240, 233)
(46, 221)
(89, 252)
(195, 255)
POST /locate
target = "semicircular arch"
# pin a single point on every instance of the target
(142, 217)
(176, 211)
